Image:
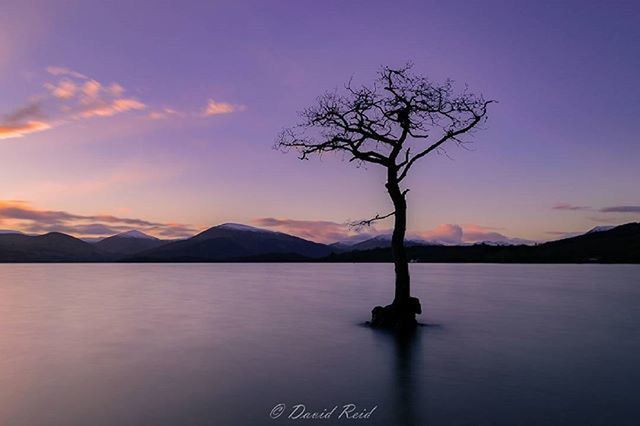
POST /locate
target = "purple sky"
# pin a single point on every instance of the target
(166, 112)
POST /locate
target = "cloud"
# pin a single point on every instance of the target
(316, 230)
(217, 108)
(445, 233)
(477, 233)
(64, 89)
(63, 71)
(162, 114)
(22, 216)
(107, 109)
(620, 209)
(116, 90)
(329, 232)
(70, 97)
(24, 120)
(8, 130)
(90, 91)
(565, 206)
(468, 234)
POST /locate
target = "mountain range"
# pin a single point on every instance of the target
(241, 243)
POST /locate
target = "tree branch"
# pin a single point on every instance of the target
(358, 225)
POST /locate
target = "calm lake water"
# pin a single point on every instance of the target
(223, 344)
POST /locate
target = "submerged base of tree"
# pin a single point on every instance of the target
(397, 316)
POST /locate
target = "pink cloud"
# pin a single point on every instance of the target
(116, 106)
(71, 97)
(316, 230)
(329, 232)
(445, 233)
(24, 120)
(8, 130)
(20, 215)
(216, 108)
(65, 89)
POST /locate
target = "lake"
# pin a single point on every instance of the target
(224, 344)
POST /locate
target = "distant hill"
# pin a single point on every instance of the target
(241, 243)
(620, 244)
(617, 244)
(128, 243)
(52, 247)
(384, 241)
(233, 242)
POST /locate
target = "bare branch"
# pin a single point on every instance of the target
(388, 122)
(449, 135)
(358, 225)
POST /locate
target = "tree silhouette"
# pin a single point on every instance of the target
(393, 123)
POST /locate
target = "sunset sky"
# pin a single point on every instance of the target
(161, 115)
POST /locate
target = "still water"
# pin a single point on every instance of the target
(223, 344)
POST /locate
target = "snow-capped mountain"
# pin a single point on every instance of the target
(384, 241)
(241, 227)
(135, 234)
(600, 228)
(235, 241)
(510, 242)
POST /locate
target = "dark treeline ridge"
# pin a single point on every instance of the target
(227, 244)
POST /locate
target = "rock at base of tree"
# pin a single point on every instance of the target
(399, 316)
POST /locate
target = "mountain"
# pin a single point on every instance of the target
(51, 247)
(232, 241)
(128, 243)
(384, 241)
(620, 244)
(134, 233)
(509, 242)
(9, 231)
(601, 228)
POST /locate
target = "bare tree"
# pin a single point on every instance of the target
(393, 123)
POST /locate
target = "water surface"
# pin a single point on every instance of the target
(222, 344)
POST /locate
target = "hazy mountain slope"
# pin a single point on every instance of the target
(618, 245)
(129, 243)
(384, 241)
(52, 247)
(232, 242)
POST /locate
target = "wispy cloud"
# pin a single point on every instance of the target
(10, 130)
(444, 233)
(163, 114)
(22, 216)
(63, 71)
(466, 234)
(27, 119)
(216, 108)
(107, 109)
(64, 89)
(70, 96)
(566, 206)
(316, 230)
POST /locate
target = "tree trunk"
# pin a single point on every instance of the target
(398, 251)
(401, 314)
